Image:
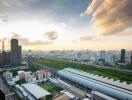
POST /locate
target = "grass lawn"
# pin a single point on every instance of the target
(22, 81)
(54, 90)
(60, 64)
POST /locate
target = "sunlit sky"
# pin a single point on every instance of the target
(67, 24)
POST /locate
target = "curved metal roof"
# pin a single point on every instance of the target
(107, 89)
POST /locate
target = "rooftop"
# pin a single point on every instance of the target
(117, 83)
(35, 90)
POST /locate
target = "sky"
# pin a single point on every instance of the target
(67, 24)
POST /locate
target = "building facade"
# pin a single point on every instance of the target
(16, 55)
(123, 56)
(131, 58)
(102, 54)
(5, 58)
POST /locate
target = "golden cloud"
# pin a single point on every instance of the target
(110, 16)
(26, 42)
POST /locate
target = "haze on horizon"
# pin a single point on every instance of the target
(67, 24)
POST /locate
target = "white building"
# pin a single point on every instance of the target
(102, 54)
(8, 78)
(110, 58)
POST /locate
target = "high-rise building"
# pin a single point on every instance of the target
(131, 58)
(19, 55)
(102, 54)
(1, 62)
(123, 56)
(6, 58)
(110, 58)
(30, 60)
(15, 53)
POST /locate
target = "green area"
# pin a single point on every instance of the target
(61, 64)
(128, 67)
(22, 81)
(32, 69)
(54, 90)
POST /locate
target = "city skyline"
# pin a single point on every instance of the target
(67, 24)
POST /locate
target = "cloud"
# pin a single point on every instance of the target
(3, 17)
(27, 42)
(92, 7)
(63, 24)
(126, 32)
(110, 17)
(3, 39)
(86, 38)
(51, 35)
(15, 35)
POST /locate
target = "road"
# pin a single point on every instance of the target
(14, 68)
(70, 88)
(6, 90)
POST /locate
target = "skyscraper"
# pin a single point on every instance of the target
(1, 59)
(15, 53)
(131, 58)
(102, 54)
(110, 58)
(30, 59)
(19, 55)
(6, 58)
(123, 56)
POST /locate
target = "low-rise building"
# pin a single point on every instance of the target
(8, 78)
(21, 74)
(41, 74)
(31, 92)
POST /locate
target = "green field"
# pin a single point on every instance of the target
(54, 90)
(60, 64)
(22, 81)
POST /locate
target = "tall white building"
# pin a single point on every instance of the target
(107, 57)
(102, 54)
(110, 58)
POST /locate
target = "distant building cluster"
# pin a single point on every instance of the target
(101, 57)
(13, 57)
